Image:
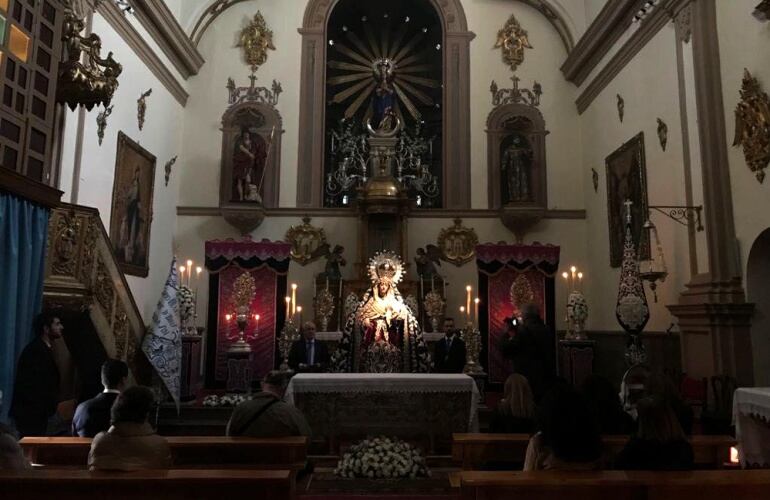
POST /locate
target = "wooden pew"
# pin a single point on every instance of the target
(616, 485)
(69, 484)
(471, 451)
(187, 451)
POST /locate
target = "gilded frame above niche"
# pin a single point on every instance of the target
(457, 243)
(307, 242)
(512, 39)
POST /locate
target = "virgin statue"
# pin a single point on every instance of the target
(381, 334)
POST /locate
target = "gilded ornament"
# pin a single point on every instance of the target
(324, 308)
(141, 108)
(101, 122)
(255, 40)
(244, 290)
(621, 107)
(434, 306)
(167, 168)
(752, 129)
(662, 133)
(512, 39)
(457, 243)
(521, 292)
(65, 248)
(595, 179)
(308, 242)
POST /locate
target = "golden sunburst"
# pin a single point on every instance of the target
(390, 65)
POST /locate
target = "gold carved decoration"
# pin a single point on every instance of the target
(120, 329)
(104, 290)
(65, 245)
(307, 242)
(141, 108)
(512, 39)
(255, 40)
(752, 129)
(457, 243)
(521, 291)
(244, 290)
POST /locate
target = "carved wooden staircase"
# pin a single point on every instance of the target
(82, 274)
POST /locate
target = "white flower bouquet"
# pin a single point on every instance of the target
(227, 400)
(382, 458)
(186, 299)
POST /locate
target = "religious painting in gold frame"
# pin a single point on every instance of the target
(131, 214)
(627, 179)
(307, 242)
(457, 243)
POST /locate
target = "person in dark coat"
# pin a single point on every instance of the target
(530, 345)
(93, 416)
(604, 402)
(659, 443)
(36, 389)
(307, 354)
(450, 351)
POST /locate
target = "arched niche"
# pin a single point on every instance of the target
(259, 120)
(455, 104)
(758, 292)
(512, 128)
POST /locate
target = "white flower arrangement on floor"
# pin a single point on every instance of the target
(227, 400)
(382, 458)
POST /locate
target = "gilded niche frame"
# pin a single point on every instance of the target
(627, 179)
(131, 211)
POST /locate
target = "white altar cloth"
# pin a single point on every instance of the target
(389, 383)
(751, 414)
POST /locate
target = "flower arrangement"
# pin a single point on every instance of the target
(382, 458)
(227, 400)
(577, 313)
(186, 299)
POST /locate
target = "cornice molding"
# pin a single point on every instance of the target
(647, 30)
(117, 19)
(343, 212)
(24, 187)
(158, 20)
(612, 21)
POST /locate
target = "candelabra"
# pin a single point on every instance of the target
(244, 291)
(289, 335)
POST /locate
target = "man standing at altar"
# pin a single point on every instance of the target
(530, 345)
(450, 351)
(307, 354)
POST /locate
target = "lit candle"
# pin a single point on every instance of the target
(468, 303)
(734, 456)
(565, 275)
(293, 299)
(189, 271)
(476, 310)
(288, 305)
(580, 281)
(299, 311)
(182, 270)
(256, 330)
(462, 310)
(572, 269)
(228, 317)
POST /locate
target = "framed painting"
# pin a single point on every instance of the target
(627, 179)
(131, 216)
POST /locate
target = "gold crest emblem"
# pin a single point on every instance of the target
(457, 243)
(752, 129)
(512, 39)
(255, 40)
(307, 242)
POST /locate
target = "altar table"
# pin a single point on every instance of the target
(425, 407)
(751, 414)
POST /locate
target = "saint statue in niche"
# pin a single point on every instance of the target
(382, 334)
(517, 168)
(248, 166)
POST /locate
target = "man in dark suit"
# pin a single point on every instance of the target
(93, 416)
(307, 354)
(530, 345)
(450, 351)
(36, 389)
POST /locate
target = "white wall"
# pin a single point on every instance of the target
(161, 136)
(743, 42)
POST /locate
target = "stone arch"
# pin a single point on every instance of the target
(272, 118)
(456, 104)
(758, 292)
(496, 134)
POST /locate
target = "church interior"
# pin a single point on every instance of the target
(403, 249)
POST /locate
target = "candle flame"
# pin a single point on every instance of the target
(182, 269)
(293, 286)
(462, 309)
(299, 309)
(573, 269)
(468, 288)
(256, 316)
(580, 276)
(228, 317)
(189, 263)
(288, 300)
(734, 456)
(198, 269)
(476, 300)
(565, 275)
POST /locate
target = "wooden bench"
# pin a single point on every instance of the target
(471, 451)
(616, 485)
(187, 451)
(69, 484)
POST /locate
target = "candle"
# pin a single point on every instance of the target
(293, 299)
(580, 281)
(476, 310)
(256, 330)
(299, 311)
(189, 271)
(468, 303)
(288, 305)
(462, 310)
(197, 283)
(565, 275)
(572, 280)
(228, 317)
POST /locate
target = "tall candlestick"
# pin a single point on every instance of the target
(299, 311)
(288, 305)
(293, 299)
(256, 330)
(572, 269)
(468, 303)
(476, 310)
(189, 271)
(580, 281)
(565, 275)
(182, 270)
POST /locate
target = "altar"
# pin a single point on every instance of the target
(426, 408)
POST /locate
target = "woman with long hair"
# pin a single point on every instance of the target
(516, 411)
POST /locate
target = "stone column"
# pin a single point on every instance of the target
(713, 317)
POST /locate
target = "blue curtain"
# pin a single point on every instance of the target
(23, 233)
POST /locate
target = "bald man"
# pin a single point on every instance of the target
(308, 354)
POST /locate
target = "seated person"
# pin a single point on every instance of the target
(659, 385)
(659, 443)
(11, 455)
(569, 438)
(93, 416)
(131, 443)
(515, 413)
(450, 351)
(307, 354)
(266, 415)
(604, 402)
